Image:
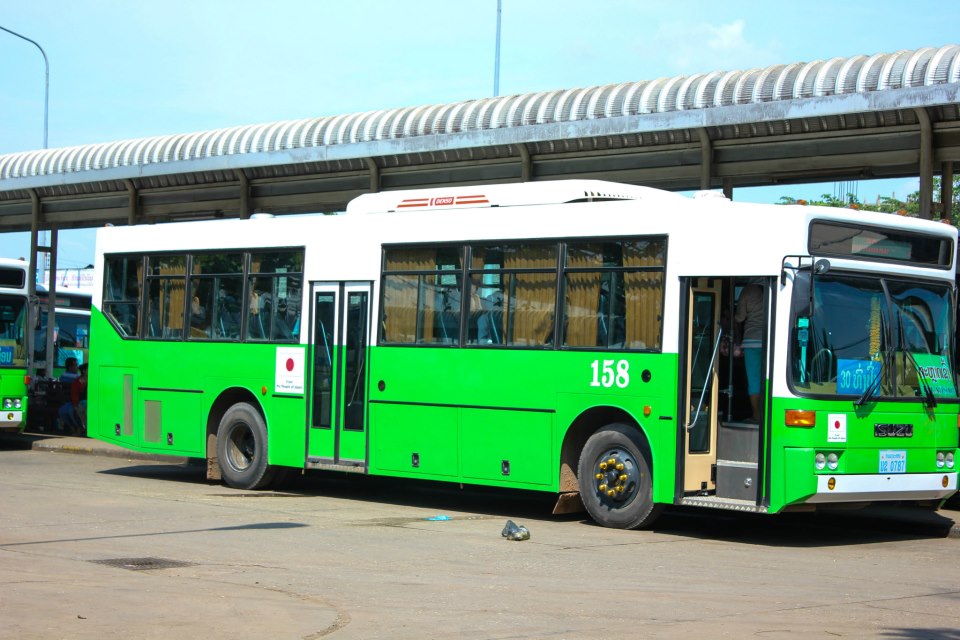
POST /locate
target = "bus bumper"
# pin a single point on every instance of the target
(876, 487)
(11, 419)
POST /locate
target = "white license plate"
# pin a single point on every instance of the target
(893, 462)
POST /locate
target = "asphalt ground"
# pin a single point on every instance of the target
(947, 517)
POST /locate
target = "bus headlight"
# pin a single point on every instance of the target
(832, 461)
(821, 461)
(8, 403)
(17, 403)
(949, 457)
(941, 459)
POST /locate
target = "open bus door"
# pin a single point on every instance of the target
(722, 438)
(337, 420)
(703, 338)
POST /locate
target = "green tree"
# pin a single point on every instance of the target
(885, 204)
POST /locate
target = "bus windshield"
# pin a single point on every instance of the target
(71, 337)
(11, 331)
(868, 336)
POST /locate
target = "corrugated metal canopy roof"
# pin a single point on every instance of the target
(759, 126)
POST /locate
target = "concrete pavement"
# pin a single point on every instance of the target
(92, 446)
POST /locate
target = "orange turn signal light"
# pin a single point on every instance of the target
(27, 379)
(798, 418)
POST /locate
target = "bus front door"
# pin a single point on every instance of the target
(703, 339)
(337, 435)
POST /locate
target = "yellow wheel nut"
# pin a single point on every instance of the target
(602, 487)
(622, 478)
(619, 488)
(612, 462)
(603, 466)
(611, 493)
(619, 466)
(599, 476)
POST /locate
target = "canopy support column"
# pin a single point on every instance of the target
(926, 163)
(244, 194)
(946, 191)
(51, 357)
(132, 199)
(706, 159)
(374, 174)
(526, 163)
(28, 332)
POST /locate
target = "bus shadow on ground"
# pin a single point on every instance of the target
(922, 634)
(802, 530)
(818, 529)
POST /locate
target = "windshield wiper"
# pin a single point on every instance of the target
(928, 398)
(873, 387)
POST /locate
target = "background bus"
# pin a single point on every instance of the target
(577, 337)
(71, 339)
(13, 356)
(18, 388)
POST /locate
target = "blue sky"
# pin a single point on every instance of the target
(122, 69)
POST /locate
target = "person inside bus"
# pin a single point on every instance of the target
(199, 327)
(73, 414)
(71, 370)
(258, 313)
(749, 314)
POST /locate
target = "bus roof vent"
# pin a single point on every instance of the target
(505, 195)
(709, 195)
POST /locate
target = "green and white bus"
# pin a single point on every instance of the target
(13, 353)
(573, 337)
(18, 387)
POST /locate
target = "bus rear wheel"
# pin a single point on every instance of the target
(615, 480)
(242, 448)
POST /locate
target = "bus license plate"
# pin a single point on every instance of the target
(893, 462)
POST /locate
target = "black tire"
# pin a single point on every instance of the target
(628, 477)
(242, 448)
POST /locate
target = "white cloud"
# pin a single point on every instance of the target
(697, 47)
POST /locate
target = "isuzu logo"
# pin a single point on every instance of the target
(893, 430)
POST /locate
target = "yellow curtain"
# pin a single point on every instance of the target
(172, 295)
(400, 295)
(582, 299)
(534, 294)
(644, 298)
(644, 295)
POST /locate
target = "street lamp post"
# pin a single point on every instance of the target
(496, 56)
(46, 80)
(31, 285)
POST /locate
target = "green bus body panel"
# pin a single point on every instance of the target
(473, 415)
(464, 412)
(160, 399)
(12, 385)
(793, 449)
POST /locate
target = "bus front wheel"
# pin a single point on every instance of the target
(242, 448)
(615, 480)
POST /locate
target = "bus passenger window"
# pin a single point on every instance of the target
(229, 308)
(422, 296)
(201, 309)
(614, 294)
(166, 296)
(513, 289)
(121, 296)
